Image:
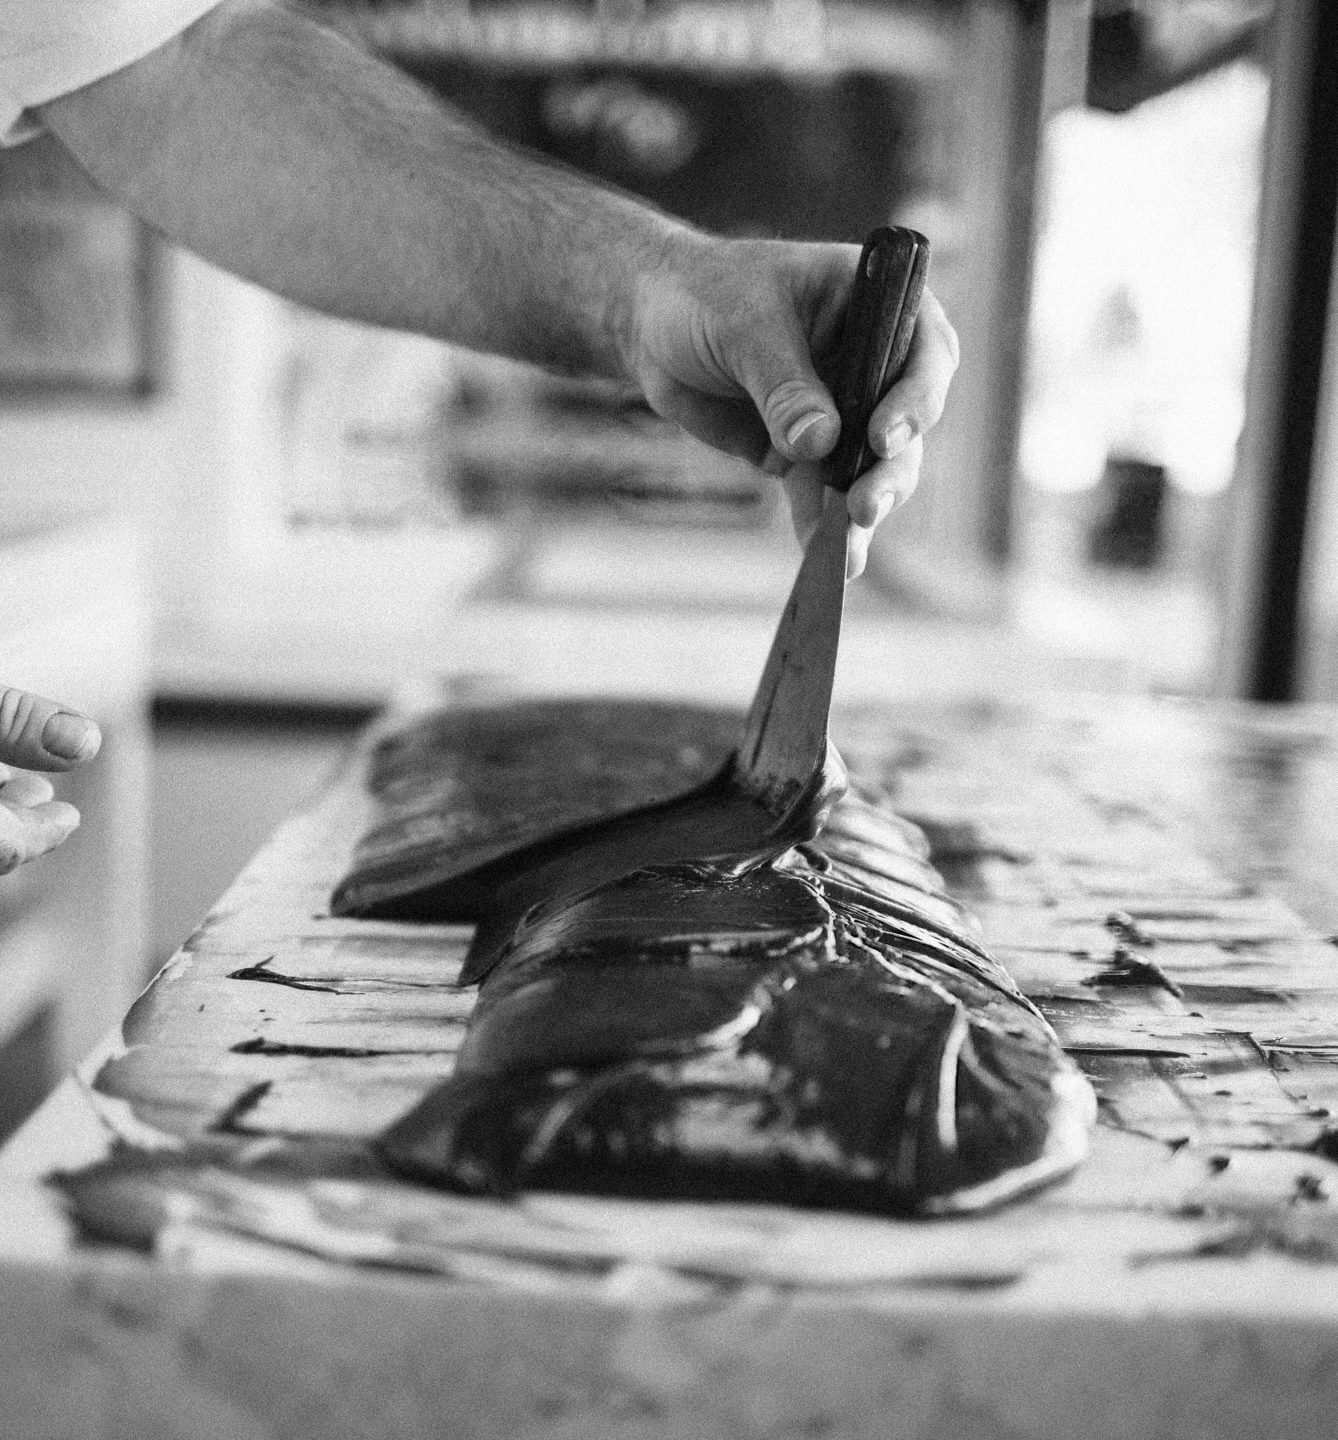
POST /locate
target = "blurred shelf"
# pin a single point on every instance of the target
(323, 616)
(793, 36)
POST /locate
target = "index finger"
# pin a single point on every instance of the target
(39, 734)
(915, 402)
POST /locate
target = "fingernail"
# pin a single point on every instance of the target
(804, 426)
(70, 737)
(886, 505)
(898, 437)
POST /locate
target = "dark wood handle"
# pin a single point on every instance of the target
(875, 339)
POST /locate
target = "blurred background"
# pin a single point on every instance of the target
(232, 528)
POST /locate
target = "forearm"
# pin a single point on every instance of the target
(280, 151)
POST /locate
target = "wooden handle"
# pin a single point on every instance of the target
(875, 339)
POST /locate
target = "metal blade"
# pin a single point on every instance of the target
(785, 735)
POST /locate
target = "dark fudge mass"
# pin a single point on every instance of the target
(814, 1024)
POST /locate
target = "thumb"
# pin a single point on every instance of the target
(38, 734)
(795, 406)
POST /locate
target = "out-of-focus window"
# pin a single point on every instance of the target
(1138, 345)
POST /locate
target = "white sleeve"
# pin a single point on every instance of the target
(50, 47)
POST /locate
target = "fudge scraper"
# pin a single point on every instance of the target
(785, 735)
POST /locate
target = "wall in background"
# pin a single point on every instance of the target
(218, 790)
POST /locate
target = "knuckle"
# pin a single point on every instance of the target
(953, 344)
(940, 330)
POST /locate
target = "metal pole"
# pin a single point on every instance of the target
(1261, 648)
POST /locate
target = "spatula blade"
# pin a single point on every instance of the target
(785, 733)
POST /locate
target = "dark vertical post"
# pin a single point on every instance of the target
(1264, 615)
(1304, 322)
(1008, 343)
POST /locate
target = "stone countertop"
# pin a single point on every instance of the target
(1180, 1284)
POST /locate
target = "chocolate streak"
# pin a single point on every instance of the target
(808, 1021)
(521, 853)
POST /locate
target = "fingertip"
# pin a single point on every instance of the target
(892, 500)
(54, 823)
(65, 815)
(873, 509)
(70, 738)
(812, 435)
(863, 505)
(877, 495)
